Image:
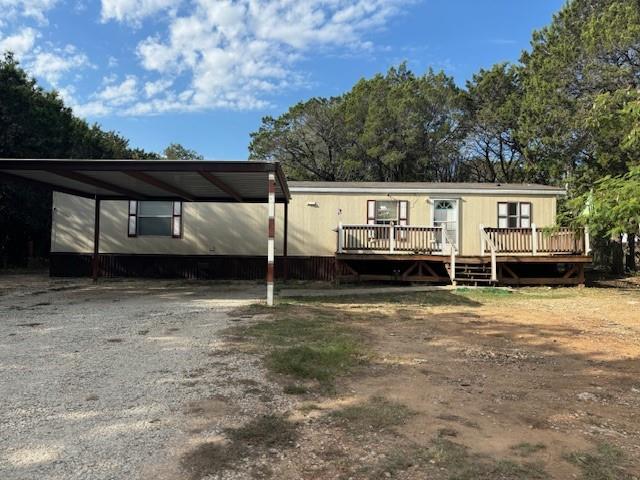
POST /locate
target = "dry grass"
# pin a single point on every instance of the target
(605, 463)
(248, 441)
(377, 414)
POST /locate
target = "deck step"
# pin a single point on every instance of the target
(473, 273)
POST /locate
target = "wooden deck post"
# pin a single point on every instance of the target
(271, 237)
(392, 238)
(587, 241)
(534, 239)
(340, 238)
(95, 261)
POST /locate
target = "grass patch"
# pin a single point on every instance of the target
(459, 464)
(319, 362)
(249, 440)
(434, 298)
(486, 292)
(399, 459)
(606, 463)
(374, 415)
(267, 431)
(526, 449)
(294, 389)
(308, 343)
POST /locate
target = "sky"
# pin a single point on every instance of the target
(204, 72)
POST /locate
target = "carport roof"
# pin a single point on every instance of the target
(187, 180)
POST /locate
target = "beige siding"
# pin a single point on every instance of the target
(483, 209)
(241, 229)
(209, 228)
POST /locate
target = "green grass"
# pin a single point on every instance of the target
(318, 362)
(377, 414)
(434, 298)
(526, 449)
(606, 463)
(308, 343)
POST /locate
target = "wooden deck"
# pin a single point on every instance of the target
(510, 256)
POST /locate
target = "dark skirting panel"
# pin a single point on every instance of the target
(205, 267)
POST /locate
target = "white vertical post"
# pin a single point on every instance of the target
(587, 241)
(453, 266)
(392, 238)
(340, 238)
(271, 241)
(534, 239)
(483, 243)
(494, 267)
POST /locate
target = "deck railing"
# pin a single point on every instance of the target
(533, 241)
(407, 239)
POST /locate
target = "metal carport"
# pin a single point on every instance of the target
(183, 180)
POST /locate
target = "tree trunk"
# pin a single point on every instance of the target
(631, 252)
(617, 255)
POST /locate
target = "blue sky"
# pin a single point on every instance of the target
(204, 72)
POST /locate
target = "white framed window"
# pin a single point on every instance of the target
(386, 212)
(514, 214)
(155, 218)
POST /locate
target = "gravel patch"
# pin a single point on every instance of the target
(117, 380)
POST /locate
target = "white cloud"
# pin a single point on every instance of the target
(233, 53)
(134, 10)
(119, 93)
(26, 8)
(151, 89)
(19, 43)
(52, 65)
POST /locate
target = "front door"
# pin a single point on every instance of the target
(445, 214)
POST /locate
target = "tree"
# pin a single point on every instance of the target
(580, 105)
(175, 151)
(611, 208)
(493, 150)
(309, 140)
(390, 127)
(35, 123)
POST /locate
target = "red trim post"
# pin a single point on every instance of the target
(285, 242)
(271, 239)
(96, 241)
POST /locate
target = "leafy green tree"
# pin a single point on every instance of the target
(309, 140)
(493, 150)
(175, 151)
(35, 123)
(611, 208)
(390, 127)
(580, 105)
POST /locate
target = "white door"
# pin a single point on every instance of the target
(445, 214)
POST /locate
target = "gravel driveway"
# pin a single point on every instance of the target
(96, 381)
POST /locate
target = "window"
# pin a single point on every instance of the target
(163, 219)
(386, 212)
(514, 215)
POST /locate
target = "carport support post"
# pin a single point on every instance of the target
(96, 240)
(272, 234)
(286, 240)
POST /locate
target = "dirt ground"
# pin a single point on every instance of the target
(161, 380)
(529, 384)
